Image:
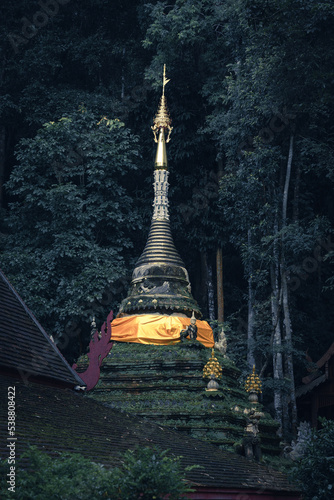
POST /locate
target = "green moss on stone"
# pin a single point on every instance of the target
(165, 384)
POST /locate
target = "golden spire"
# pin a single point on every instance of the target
(160, 281)
(161, 123)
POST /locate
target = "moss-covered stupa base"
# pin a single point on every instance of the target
(165, 384)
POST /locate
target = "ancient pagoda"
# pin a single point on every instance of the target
(159, 305)
(149, 371)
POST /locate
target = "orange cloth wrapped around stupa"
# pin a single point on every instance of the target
(157, 329)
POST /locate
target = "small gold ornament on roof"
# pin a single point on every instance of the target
(212, 367)
(253, 383)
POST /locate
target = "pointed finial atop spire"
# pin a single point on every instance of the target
(164, 80)
(160, 265)
(161, 123)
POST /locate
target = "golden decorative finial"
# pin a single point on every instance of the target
(212, 367)
(161, 123)
(253, 383)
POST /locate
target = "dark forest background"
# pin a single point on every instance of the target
(251, 160)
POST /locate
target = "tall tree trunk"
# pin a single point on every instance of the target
(277, 336)
(250, 323)
(220, 289)
(289, 355)
(219, 261)
(204, 283)
(295, 215)
(2, 162)
(285, 297)
(211, 295)
(123, 77)
(287, 182)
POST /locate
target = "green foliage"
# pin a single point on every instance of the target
(72, 218)
(315, 470)
(65, 477)
(80, 55)
(233, 64)
(145, 473)
(148, 474)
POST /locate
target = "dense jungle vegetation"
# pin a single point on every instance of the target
(251, 160)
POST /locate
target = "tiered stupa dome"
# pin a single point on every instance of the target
(159, 303)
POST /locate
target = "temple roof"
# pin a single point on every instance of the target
(25, 346)
(58, 420)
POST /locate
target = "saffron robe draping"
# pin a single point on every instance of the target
(157, 329)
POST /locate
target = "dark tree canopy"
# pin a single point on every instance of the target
(69, 242)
